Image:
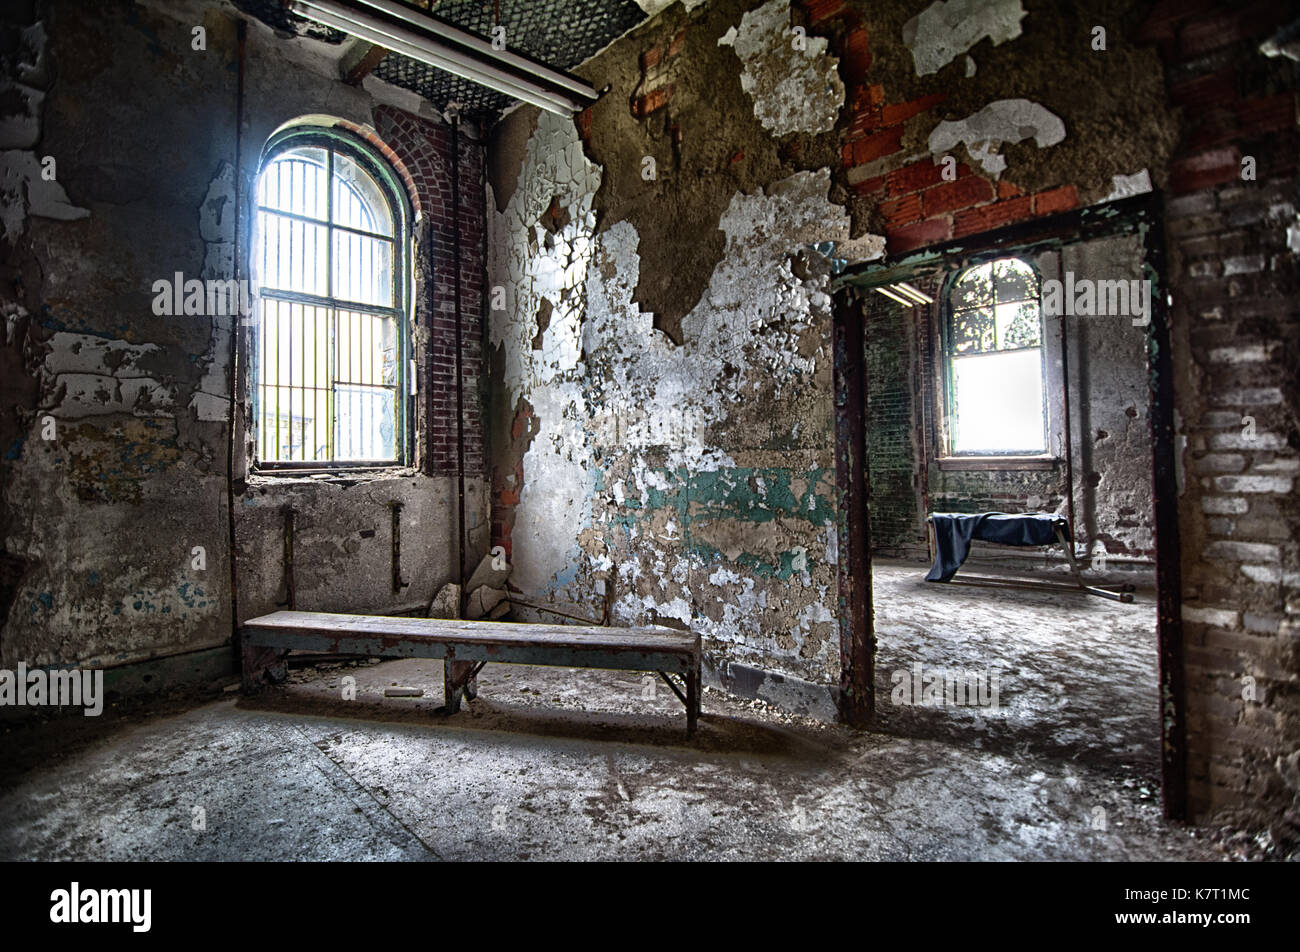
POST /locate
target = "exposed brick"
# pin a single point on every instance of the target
(900, 211)
(819, 10)
(916, 175)
(1056, 200)
(877, 145)
(917, 235)
(871, 186)
(988, 217)
(962, 193)
(855, 57)
(900, 112)
(1213, 167)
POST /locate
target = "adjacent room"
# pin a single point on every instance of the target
(649, 430)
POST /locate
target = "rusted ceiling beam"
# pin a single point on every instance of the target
(359, 59)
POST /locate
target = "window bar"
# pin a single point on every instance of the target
(298, 372)
(261, 378)
(329, 294)
(277, 383)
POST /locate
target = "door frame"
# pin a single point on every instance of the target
(1139, 215)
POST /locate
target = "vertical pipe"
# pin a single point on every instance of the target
(460, 381)
(236, 324)
(923, 390)
(1069, 433)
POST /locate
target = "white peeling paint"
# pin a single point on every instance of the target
(1124, 186)
(651, 7)
(945, 30)
(1006, 120)
(794, 89)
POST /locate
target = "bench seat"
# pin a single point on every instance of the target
(465, 646)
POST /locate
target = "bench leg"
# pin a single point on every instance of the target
(692, 701)
(455, 681)
(261, 665)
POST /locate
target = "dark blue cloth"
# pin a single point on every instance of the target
(953, 532)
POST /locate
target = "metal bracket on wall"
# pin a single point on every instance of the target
(291, 597)
(398, 584)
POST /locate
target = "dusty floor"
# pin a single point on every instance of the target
(552, 763)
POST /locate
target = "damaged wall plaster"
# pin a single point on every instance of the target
(670, 467)
(705, 138)
(100, 522)
(948, 28)
(1007, 120)
(794, 86)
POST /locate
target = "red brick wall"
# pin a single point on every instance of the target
(1233, 282)
(1235, 349)
(423, 149)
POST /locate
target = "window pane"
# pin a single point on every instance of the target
(292, 253)
(974, 288)
(1018, 325)
(293, 387)
(999, 403)
(359, 202)
(972, 331)
(363, 269)
(366, 417)
(295, 182)
(1013, 280)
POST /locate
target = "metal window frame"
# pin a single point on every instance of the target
(335, 140)
(948, 394)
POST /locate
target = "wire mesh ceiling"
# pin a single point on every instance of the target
(560, 33)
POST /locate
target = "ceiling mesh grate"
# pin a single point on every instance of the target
(560, 33)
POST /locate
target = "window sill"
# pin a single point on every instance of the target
(997, 462)
(272, 477)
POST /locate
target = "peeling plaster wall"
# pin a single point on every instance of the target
(699, 476)
(99, 523)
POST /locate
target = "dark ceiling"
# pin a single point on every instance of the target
(560, 33)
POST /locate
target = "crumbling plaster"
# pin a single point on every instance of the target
(100, 523)
(699, 475)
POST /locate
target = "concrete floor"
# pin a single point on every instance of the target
(558, 764)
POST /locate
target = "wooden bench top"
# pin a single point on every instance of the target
(486, 634)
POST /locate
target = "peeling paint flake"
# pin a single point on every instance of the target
(792, 80)
(945, 30)
(1006, 120)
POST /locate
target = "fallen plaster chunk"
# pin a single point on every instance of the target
(943, 31)
(1123, 186)
(795, 86)
(1006, 120)
(482, 601)
(447, 602)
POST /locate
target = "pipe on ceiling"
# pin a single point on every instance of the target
(435, 43)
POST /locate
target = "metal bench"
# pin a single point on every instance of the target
(466, 646)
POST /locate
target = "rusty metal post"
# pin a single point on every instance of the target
(1164, 485)
(857, 637)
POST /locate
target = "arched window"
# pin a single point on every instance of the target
(993, 354)
(330, 355)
